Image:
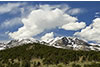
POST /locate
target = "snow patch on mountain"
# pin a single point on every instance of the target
(58, 42)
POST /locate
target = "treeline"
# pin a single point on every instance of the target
(24, 56)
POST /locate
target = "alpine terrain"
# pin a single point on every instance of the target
(72, 43)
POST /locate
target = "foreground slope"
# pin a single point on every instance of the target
(38, 55)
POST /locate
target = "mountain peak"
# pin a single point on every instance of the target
(18, 42)
(73, 43)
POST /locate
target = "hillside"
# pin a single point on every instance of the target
(38, 55)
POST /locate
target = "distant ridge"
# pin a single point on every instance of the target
(58, 42)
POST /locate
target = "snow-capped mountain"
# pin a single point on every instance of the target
(58, 42)
(18, 42)
(71, 43)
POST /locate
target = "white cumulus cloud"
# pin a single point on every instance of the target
(47, 37)
(74, 26)
(42, 19)
(91, 32)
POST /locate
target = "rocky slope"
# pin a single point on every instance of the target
(71, 43)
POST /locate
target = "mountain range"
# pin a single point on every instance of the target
(72, 43)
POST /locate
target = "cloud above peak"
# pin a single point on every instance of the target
(47, 37)
(46, 17)
(91, 32)
(74, 26)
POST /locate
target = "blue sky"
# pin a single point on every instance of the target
(12, 14)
